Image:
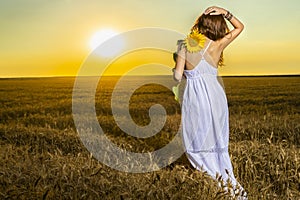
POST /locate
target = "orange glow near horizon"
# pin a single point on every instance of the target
(54, 38)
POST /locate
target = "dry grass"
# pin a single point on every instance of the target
(43, 158)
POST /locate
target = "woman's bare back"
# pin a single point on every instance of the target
(212, 56)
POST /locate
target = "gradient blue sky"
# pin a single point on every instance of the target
(51, 37)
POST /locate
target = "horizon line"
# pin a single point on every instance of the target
(115, 75)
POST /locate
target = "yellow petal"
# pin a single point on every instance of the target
(194, 41)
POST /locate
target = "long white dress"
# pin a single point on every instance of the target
(205, 122)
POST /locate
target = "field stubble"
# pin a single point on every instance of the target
(43, 157)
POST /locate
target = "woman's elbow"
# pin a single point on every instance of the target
(242, 27)
(176, 79)
(176, 76)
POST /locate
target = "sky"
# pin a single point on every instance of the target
(52, 37)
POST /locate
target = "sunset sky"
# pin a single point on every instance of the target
(53, 37)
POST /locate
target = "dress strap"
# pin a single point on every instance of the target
(206, 47)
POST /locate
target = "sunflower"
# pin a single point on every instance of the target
(194, 41)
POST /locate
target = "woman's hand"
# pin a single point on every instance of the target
(237, 24)
(214, 10)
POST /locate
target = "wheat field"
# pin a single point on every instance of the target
(42, 156)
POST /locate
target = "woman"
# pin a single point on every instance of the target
(205, 123)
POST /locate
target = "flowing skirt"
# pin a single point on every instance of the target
(205, 126)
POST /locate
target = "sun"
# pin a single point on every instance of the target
(101, 36)
(112, 47)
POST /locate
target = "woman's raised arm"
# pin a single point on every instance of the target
(237, 24)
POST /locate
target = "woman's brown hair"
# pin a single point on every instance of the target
(214, 27)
